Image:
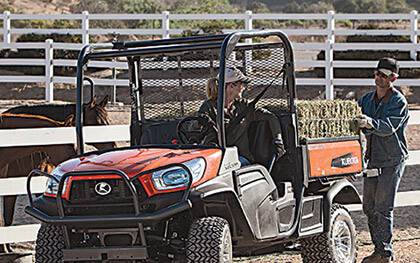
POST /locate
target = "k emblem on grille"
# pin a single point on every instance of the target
(103, 188)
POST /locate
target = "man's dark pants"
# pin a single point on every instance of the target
(378, 205)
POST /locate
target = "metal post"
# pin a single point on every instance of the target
(329, 57)
(329, 71)
(7, 31)
(165, 25)
(85, 28)
(414, 27)
(49, 70)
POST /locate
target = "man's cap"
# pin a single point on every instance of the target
(388, 66)
(234, 75)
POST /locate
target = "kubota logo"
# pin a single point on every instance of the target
(344, 161)
(103, 188)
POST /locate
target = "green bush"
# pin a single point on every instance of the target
(7, 5)
(120, 6)
(204, 7)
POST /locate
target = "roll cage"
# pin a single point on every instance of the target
(225, 46)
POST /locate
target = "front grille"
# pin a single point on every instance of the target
(83, 192)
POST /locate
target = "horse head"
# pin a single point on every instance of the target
(69, 121)
(96, 114)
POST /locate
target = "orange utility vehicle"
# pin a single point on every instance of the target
(179, 193)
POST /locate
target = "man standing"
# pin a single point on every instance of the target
(384, 119)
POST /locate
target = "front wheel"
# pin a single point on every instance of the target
(209, 241)
(337, 245)
(49, 244)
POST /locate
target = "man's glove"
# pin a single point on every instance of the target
(364, 121)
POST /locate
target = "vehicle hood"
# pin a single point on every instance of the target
(134, 161)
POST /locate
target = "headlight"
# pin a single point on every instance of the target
(52, 185)
(176, 177)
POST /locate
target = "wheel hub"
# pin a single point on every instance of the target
(342, 241)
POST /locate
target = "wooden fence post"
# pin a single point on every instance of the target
(85, 28)
(114, 86)
(248, 20)
(165, 25)
(7, 32)
(329, 71)
(414, 27)
(248, 53)
(329, 56)
(49, 70)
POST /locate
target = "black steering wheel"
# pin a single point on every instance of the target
(195, 129)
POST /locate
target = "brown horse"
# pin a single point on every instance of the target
(11, 154)
(94, 114)
(17, 121)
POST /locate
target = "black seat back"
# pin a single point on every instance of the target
(163, 132)
(261, 142)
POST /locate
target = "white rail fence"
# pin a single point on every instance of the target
(47, 136)
(329, 32)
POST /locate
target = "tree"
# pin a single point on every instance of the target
(120, 6)
(371, 6)
(320, 7)
(293, 7)
(398, 6)
(413, 4)
(7, 5)
(201, 7)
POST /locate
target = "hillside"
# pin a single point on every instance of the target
(37, 6)
(191, 6)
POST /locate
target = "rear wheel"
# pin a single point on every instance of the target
(337, 245)
(49, 244)
(209, 240)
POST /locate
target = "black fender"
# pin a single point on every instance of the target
(217, 197)
(341, 192)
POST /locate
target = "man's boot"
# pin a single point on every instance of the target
(376, 258)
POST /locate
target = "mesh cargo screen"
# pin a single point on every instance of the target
(173, 86)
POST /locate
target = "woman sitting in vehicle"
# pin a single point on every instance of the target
(239, 114)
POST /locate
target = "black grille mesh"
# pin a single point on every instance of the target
(264, 66)
(83, 191)
(174, 85)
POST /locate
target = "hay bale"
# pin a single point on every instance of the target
(316, 118)
(326, 118)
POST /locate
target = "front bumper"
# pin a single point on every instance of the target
(54, 212)
(137, 217)
(154, 217)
